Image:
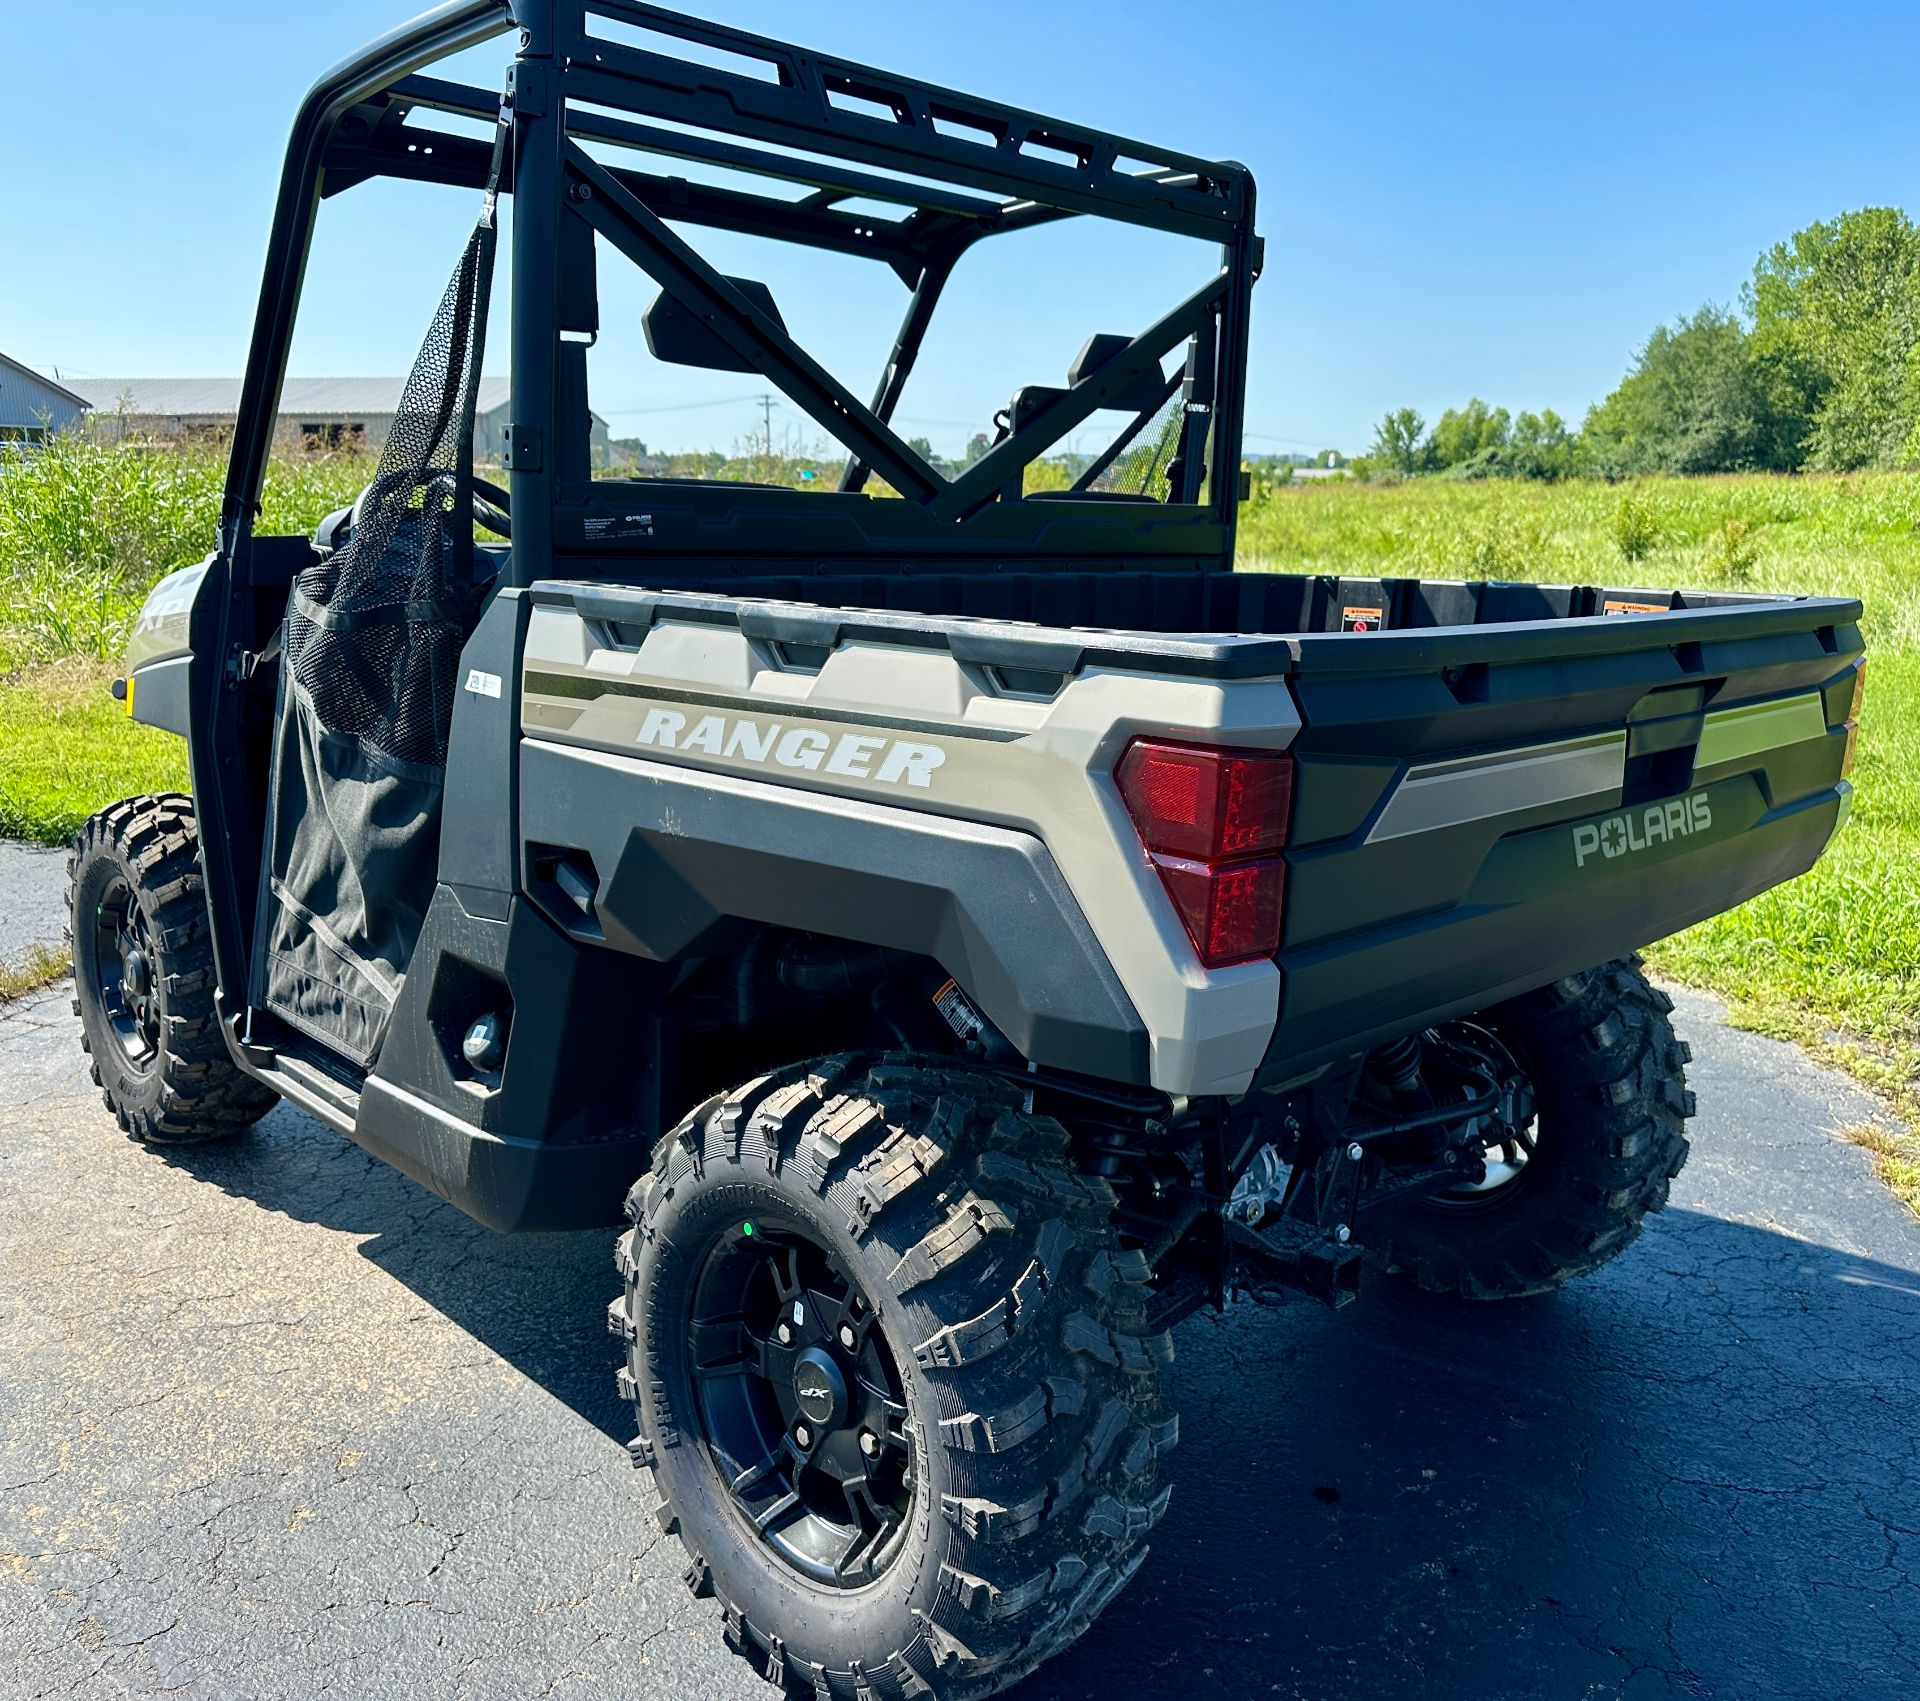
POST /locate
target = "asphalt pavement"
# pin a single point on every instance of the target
(274, 1422)
(33, 893)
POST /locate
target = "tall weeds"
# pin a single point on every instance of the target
(86, 527)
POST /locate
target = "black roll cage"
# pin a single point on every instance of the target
(794, 118)
(567, 87)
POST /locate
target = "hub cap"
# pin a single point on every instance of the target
(800, 1402)
(123, 976)
(819, 1390)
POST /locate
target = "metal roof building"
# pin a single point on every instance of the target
(326, 412)
(31, 406)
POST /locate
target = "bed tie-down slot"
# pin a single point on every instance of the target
(1663, 736)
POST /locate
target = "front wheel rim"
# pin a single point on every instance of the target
(801, 1402)
(126, 976)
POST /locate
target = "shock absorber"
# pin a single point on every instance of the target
(1396, 1065)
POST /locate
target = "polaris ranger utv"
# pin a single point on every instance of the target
(967, 925)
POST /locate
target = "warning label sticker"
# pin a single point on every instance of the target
(604, 528)
(1619, 605)
(1358, 619)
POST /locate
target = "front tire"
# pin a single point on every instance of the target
(143, 977)
(1610, 1081)
(944, 1318)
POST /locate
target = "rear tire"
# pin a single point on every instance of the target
(1613, 1105)
(143, 977)
(1006, 1327)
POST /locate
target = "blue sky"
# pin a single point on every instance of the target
(1498, 200)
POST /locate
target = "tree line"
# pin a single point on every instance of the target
(1819, 370)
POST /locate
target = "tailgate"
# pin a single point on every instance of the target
(1480, 810)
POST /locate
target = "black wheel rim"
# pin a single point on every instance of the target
(126, 976)
(800, 1402)
(1511, 1142)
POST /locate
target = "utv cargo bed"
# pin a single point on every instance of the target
(1480, 805)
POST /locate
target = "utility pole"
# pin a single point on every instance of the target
(766, 410)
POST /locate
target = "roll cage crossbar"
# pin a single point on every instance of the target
(759, 111)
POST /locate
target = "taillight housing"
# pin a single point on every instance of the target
(1213, 822)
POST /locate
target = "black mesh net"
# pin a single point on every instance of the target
(372, 654)
(375, 630)
(1140, 469)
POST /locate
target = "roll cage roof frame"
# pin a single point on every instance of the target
(962, 169)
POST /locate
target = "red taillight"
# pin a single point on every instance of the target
(1211, 804)
(1208, 819)
(1232, 913)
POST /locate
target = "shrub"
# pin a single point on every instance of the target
(1735, 550)
(1635, 530)
(1505, 544)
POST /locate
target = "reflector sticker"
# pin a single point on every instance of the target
(1752, 729)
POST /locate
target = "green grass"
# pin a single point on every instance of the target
(86, 527)
(1855, 534)
(41, 968)
(1896, 1158)
(67, 748)
(1832, 959)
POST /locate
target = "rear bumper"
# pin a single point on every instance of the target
(1538, 911)
(1472, 831)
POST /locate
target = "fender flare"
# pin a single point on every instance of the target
(679, 854)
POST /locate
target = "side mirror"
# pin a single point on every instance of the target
(678, 336)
